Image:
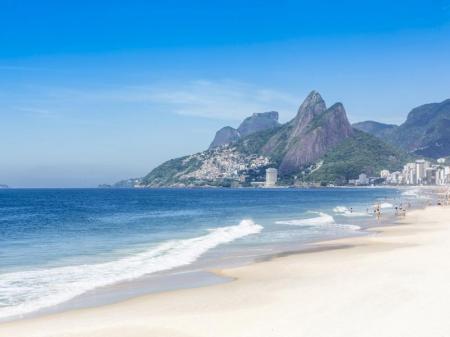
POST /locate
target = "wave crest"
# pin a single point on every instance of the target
(27, 291)
(322, 219)
(344, 211)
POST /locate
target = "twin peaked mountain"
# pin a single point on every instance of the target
(319, 144)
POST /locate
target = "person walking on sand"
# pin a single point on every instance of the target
(378, 212)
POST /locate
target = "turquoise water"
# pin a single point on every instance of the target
(58, 244)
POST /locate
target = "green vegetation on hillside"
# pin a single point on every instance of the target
(360, 153)
(253, 143)
(166, 173)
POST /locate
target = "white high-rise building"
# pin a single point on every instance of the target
(271, 177)
(384, 173)
(409, 174)
(421, 166)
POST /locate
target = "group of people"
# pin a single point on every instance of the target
(401, 209)
(445, 201)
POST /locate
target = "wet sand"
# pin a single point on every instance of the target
(393, 282)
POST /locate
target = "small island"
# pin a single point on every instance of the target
(3, 186)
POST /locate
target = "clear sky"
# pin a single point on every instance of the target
(96, 91)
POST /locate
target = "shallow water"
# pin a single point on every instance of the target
(64, 244)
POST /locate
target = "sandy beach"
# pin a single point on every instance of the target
(394, 282)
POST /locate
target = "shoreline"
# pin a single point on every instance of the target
(164, 280)
(248, 281)
(200, 273)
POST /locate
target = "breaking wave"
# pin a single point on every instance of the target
(27, 291)
(322, 219)
(384, 205)
(344, 211)
(414, 193)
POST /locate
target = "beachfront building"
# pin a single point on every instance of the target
(430, 175)
(384, 174)
(362, 179)
(271, 177)
(421, 166)
(421, 172)
(409, 174)
(394, 178)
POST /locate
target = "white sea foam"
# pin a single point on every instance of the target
(340, 209)
(411, 193)
(349, 227)
(414, 193)
(344, 211)
(27, 291)
(384, 205)
(322, 219)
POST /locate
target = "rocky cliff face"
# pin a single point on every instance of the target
(313, 131)
(226, 135)
(255, 123)
(258, 122)
(425, 132)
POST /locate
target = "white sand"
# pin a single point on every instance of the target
(395, 283)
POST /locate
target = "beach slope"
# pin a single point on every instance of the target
(394, 282)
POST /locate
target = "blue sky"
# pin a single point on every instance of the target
(95, 91)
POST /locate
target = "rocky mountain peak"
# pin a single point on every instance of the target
(269, 114)
(257, 122)
(312, 105)
(310, 134)
(226, 135)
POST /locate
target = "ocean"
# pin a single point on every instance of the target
(59, 245)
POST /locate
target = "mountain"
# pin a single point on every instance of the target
(258, 122)
(309, 135)
(226, 135)
(318, 144)
(425, 132)
(359, 153)
(375, 128)
(255, 123)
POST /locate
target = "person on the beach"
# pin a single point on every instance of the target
(378, 212)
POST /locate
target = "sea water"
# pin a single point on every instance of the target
(58, 244)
